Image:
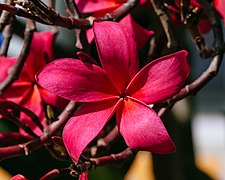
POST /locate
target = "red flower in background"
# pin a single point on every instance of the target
(220, 7)
(117, 87)
(18, 177)
(25, 91)
(101, 7)
(203, 24)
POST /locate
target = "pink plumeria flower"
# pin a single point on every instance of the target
(90, 6)
(101, 7)
(116, 87)
(25, 90)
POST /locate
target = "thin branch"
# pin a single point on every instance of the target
(17, 67)
(56, 173)
(53, 129)
(41, 13)
(81, 38)
(114, 159)
(5, 16)
(15, 107)
(205, 50)
(160, 11)
(17, 121)
(7, 36)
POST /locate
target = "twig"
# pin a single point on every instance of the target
(15, 107)
(54, 128)
(7, 36)
(17, 121)
(47, 15)
(5, 16)
(160, 11)
(81, 38)
(212, 70)
(205, 50)
(115, 159)
(56, 173)
(105, 143)
(216, 26)
(17, 67)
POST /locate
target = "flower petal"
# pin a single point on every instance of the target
(40, 54)
(91, 6)
(117, 52)
(76, 80)
(85, 125)
(140, 34)
(18, 177)
(160, 79)
(142, 129)
(52, 99)
(5, 64)
(33, 102)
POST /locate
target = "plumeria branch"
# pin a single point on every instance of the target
(160, 11)
(103, 144)
(216, 26)
(7, 35)
(55, 173)
(40, 12)
(205, 50)
(89, 165)
(81, 38)
(54, 128)
(213, 68)
(5, 16)
(17, 67)
(4, 105)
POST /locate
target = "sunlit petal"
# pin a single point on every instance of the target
(142, 129)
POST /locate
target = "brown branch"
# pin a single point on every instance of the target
(216, 25)
(56, 173)
(7, 36)
(5, 16)
(114, 159)
(53, 129)
(81, 38)
(105, 143)
(11, 117)
(164, 17)
(205, 50)
(212, 70)
(17, 67)
(47, 15)
(15, 107)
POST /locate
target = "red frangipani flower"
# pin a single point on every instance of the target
(101, 7)
(25, 90)
(118, 87)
